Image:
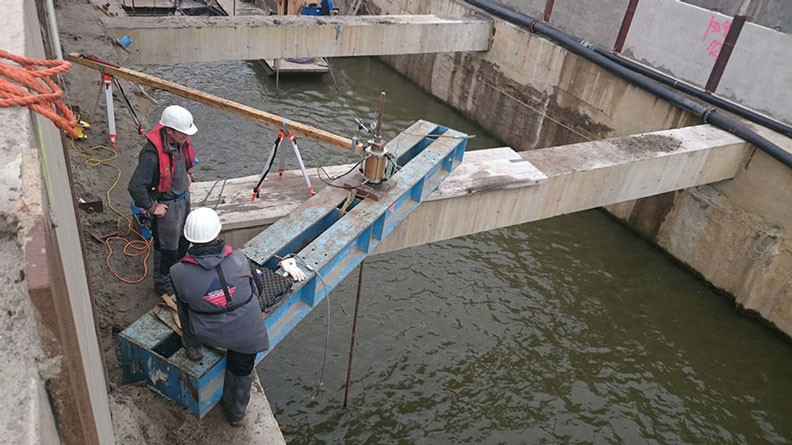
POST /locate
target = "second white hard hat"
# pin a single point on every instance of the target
(202, 225)
(178, 118)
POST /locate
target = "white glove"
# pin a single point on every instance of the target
(291, 268)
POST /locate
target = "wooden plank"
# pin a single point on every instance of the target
(223, 104)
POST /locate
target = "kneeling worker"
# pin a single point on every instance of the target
(217, 292)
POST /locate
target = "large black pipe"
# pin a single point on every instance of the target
(699, 93)
(708, 115)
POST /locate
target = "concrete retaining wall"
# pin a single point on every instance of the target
(684, 41)
(53, 341)
(597, 22)
(531, 93)
(736, 234)
(773, 14)
(29, 417)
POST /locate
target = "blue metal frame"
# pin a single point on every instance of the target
(329, 246)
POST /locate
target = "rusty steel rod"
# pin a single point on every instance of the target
(354, 333)
(625, 26)
(548, 10)
(725, 53)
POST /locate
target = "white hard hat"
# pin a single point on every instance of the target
(202, 225)
(179, 119)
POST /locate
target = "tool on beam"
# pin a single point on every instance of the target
(378, 159)
(377, 166)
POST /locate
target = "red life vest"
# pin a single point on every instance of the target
(188, 259)
(155, 136)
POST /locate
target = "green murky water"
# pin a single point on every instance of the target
(565, 330)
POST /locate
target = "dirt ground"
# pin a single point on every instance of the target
(139, 415)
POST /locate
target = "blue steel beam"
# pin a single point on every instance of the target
(332, 255)
(329, 247)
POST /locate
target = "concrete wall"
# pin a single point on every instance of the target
(29, 417)
(597, 22)
(773, 14)
(529, 92)
(684, 41)
(53, 341)
(736, 233)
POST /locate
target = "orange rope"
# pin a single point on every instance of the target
(12, 93)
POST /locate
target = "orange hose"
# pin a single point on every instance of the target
(132, 249)
(40, 93)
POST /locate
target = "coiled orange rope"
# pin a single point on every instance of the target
(40, 93)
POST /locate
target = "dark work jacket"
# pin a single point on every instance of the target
(205, 317)
(152, 177)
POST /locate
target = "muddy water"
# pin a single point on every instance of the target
(564, 330)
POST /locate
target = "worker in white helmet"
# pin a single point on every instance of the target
(161, 184)
(217, 291)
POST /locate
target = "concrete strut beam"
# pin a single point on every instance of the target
(499, 187)
(581, 177)
(168, 40)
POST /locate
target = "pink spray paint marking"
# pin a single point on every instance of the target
(714, 29)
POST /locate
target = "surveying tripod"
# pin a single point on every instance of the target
(106, 84)
(282, 133)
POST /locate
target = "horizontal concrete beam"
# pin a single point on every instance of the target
(493, 188)
(581, 177)
(167, 40)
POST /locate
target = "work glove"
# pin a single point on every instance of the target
(290, 267)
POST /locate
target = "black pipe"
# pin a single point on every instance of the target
(699, 93)
(706, 114)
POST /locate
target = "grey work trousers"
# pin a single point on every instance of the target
(170, 246)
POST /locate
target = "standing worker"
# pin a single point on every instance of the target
(161, 184)
(217, 292)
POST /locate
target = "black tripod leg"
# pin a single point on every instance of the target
(267, 167)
